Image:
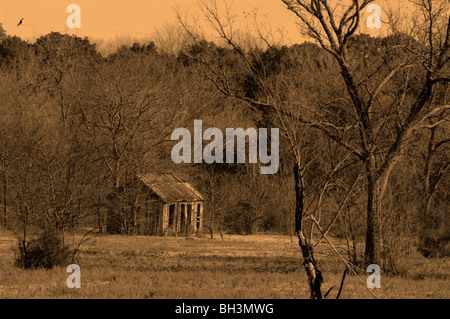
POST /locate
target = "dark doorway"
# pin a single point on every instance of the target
(183, 218)
(171, 215)
(198, 216)
(189, 217)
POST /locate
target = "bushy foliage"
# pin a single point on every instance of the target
(434, 244)
(45, 251)
(2, 32)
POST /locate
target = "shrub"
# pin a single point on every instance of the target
(434, 244)
(46, 251)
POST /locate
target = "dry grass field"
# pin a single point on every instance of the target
(257, 266)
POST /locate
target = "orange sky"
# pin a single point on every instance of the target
(107, 19)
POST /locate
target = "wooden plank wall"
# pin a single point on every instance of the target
(182, 212)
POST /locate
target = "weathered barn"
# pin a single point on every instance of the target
(178, 204)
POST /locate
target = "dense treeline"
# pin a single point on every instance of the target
(77, 126)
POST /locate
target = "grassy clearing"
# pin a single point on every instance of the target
(261, 267)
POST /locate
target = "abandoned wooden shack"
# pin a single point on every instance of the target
(177, 204)
(155, 204)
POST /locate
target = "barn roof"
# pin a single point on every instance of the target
(170, 188)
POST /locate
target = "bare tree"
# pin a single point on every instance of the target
(365, 126)
(170, 39)
(333, 31)
(281, 98)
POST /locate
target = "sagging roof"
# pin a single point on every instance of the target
(170, 188)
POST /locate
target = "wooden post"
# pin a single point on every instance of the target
(175, 218)
(147, 217)
(189, 217)
(186, 221)
(201, 216)
(178, 218)
(194, 215)
(165, 219)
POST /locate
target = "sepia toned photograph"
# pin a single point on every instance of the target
(224, 156)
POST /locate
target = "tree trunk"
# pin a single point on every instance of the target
(99, 214)
(373, 236)
(314, 275)
(212, 223)
(377, 181)
(99, 221)
(5, 198)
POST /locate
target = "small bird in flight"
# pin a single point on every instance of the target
(20, 22)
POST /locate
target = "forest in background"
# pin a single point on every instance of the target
(77, 126)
